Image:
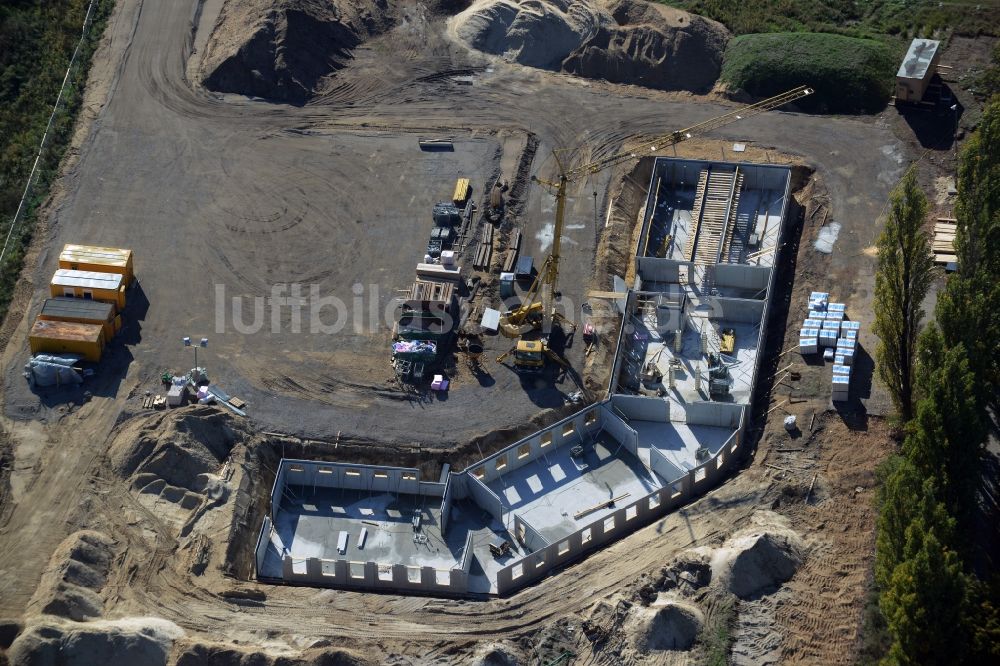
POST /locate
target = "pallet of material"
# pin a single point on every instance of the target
(511, 257)
(485, 250)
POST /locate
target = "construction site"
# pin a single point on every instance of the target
(444, 342)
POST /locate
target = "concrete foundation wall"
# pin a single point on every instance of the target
(446, 499)
(522, 452)
(654, 269)
(740, 310)
(484, 498)
(719, 414)
(262, 542)
(642, 408)
(742, 276)
(527, 535)
(372, 478)
(668, 471)
(621, 431)
(366, 575)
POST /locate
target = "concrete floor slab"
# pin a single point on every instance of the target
(566, 485)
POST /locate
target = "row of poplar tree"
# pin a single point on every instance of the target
(937, 496)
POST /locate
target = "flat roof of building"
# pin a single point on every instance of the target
(77, 308)
(65, 277)
(64, 330)
(918, 59)
(92, 254)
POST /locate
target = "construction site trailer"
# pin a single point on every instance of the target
(461, 194)
(105, 287)
(62, 337)
(98, 259)
(82, 311)
(919, 65)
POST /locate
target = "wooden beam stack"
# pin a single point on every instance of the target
(943, 245)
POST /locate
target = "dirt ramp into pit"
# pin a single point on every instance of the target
(282, 49)
(653, 46)
(622, 41)
(129, 641)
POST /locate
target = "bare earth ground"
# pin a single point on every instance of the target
(210, 190)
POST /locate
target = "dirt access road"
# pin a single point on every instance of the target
(202, 187)
(225, 191)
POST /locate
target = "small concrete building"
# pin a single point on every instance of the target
(918, 67)
(105, 287)
(98, 259)
(60, 337)
(82, 311)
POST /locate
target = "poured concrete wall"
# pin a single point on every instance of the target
(400, 480)
(642, 408)
(742, 276)
(620, 430)
(737, 310)
(365, 575)
(720, 414)
(524, 451)
(654, 269)
(527, 535)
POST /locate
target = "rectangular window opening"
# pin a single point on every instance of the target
(545, 440)
(501, 463)
(586, 535)
(631, 512)
(563, 548)
(609, 524)
(523, 451)
(591, 418)
(352, 472)
(654, 501)
(568, 429)
(479, 472)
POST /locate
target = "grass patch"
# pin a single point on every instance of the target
(37, 40)
(906, 18)
(717, 635)
(849, 75)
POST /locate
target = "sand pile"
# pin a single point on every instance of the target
(537, 33)
(497, 655)
(653, 46)
(71, 585)
(759, 559)
(623, 41)
(145, 641)
(667, 625)
(281, 49)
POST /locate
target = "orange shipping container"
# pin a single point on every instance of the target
(60, 337)
(98, 259)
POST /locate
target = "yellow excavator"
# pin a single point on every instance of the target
(532, 314)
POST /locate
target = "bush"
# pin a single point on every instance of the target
(848, 75)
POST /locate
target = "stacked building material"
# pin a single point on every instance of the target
(826, 329)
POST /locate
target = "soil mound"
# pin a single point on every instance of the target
(622, 41)
(183, 447)
(71, 585)
(653, 46)
(496, 655)
(538, 33)
(667, 626)
(281, 49)
(758, 561)
(146, 641)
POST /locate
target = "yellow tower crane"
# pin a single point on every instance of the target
(533, 314)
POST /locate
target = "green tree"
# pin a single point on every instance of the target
(968, 309)
(904, 499)
(925, 603)
(944, 441)
(904, 274)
